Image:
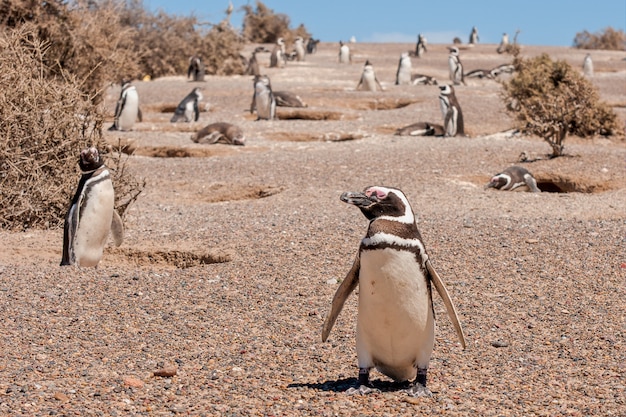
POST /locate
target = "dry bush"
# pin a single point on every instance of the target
(264, 26)
(221, 48)
(46, 122)
(609, 38)
(551, 99)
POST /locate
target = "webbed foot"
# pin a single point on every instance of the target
(361, 390)
(419, 390)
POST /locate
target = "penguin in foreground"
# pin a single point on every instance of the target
(263, 100)
(91, 215)
(368, 80)
(395, 326)
(188, 110)
(451, 111)
(127, 110)
(220, 132)
(403, 74)
(513, 178)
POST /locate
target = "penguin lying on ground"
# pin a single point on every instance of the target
(288, 99)
(188, 110)
(395, 324)
(421, 129)
(513, 178)
(220, 132)
(91, 215)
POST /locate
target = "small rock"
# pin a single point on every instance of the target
(499, 344)
(332, 281)
(532, 240)
(131, 381)
(167, 371)
(61, 397)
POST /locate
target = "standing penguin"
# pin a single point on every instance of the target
(127, 110)
(451, 111)
(91, 215)
(456, 67)
(504, 44)
(513, 178)
(368, 78)
(311, 45)
(345, 57)
(263, 100)
(188, 109)
(277, 57)
(420, 46)
(195, 69)
(588, 66)
(395, 325)
(299, 48)
(253, 63)
(473, 37)
(403, 74)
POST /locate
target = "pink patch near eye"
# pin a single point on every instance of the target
(379, 193)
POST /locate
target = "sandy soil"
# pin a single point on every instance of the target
(214, 303)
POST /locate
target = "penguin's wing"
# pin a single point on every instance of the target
(196, 111)
(379, 85)
(139, 115)
(117, 229)
(69, 229)
(531, 183)
(119, 106)
(343, 292)
(447, 301)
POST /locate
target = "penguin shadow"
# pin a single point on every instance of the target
(343, 385)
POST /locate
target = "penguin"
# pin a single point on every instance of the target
(420, 46)
(127, 110)
(588, 66)
(451, 111)
(91, 216)
(277, 57)
(311, 45)
(421, 129)
(513, 178)
(220, 132)
(288, 99)
(188, 110)
(403, 74)
(299, 48)
(345, 57)
(423, 79)
(504, 44)
(195, 69)
(263, 100)
(368, 78)
(473, 37)
(502, 69)
(479, 73)
(253, 64)
(395, 324)
(455, 66)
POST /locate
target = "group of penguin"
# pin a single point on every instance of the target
(395, 323)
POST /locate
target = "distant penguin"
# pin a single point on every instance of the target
(195, 69)
(277, 57)
(91, 216)
(451, 111)
(504, 44)
(395, 330)
(423, 79)
(403, 74)
(502, 69)
(127, 110)
(299, 48)
(253, 63)
(368, 81)
(345, 57)
(188, 109)
(288, 99)
(455, 66)
(311, 45)
(421, 129)
(420, 46)
(220, 132)
(513, 178)
(479, 73)
(263, 100)
(473, 37)
(588, 66)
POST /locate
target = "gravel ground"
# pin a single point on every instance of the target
(214, 303)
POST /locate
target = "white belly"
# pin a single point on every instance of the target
(344, 56)
(264, 104)
(128, 115)
(395, 325)
(94, 225)
(369, 81)
(404, 73)
(189, 111)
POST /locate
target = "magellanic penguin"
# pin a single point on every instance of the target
(421, 129)
(288, 99)
(91, 215)
(195, 69)
(395, 325)
(513, 178)
(420, 46)
(298, 46)
(473, 37)
(277, 57)
(368, 80)
(451, 111)
(253, 64)
(504, 44)
(423, 79)
(220, 132)
(345, 57)
(188, 109)
(403, 74)
(455, 66)
(263, 100)
(127, 110)
(588, 66)
(311, 46)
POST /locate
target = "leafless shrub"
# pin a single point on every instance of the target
(551, 99)
(264, 26)
(608, 38)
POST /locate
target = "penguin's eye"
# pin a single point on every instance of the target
(380, 194)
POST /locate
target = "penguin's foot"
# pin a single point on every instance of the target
(361, 390)
(418, 390)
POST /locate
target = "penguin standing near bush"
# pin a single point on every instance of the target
(195, 69)
(127, 110)
(277, 57)
(91, 215)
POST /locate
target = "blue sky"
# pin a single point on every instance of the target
(542, 22)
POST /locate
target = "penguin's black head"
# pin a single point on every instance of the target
(378, 201)
(90, 159)
(446, 89)
(497, 182)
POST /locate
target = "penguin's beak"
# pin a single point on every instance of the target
(357, 199)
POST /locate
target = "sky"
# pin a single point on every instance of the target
(541, 22)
